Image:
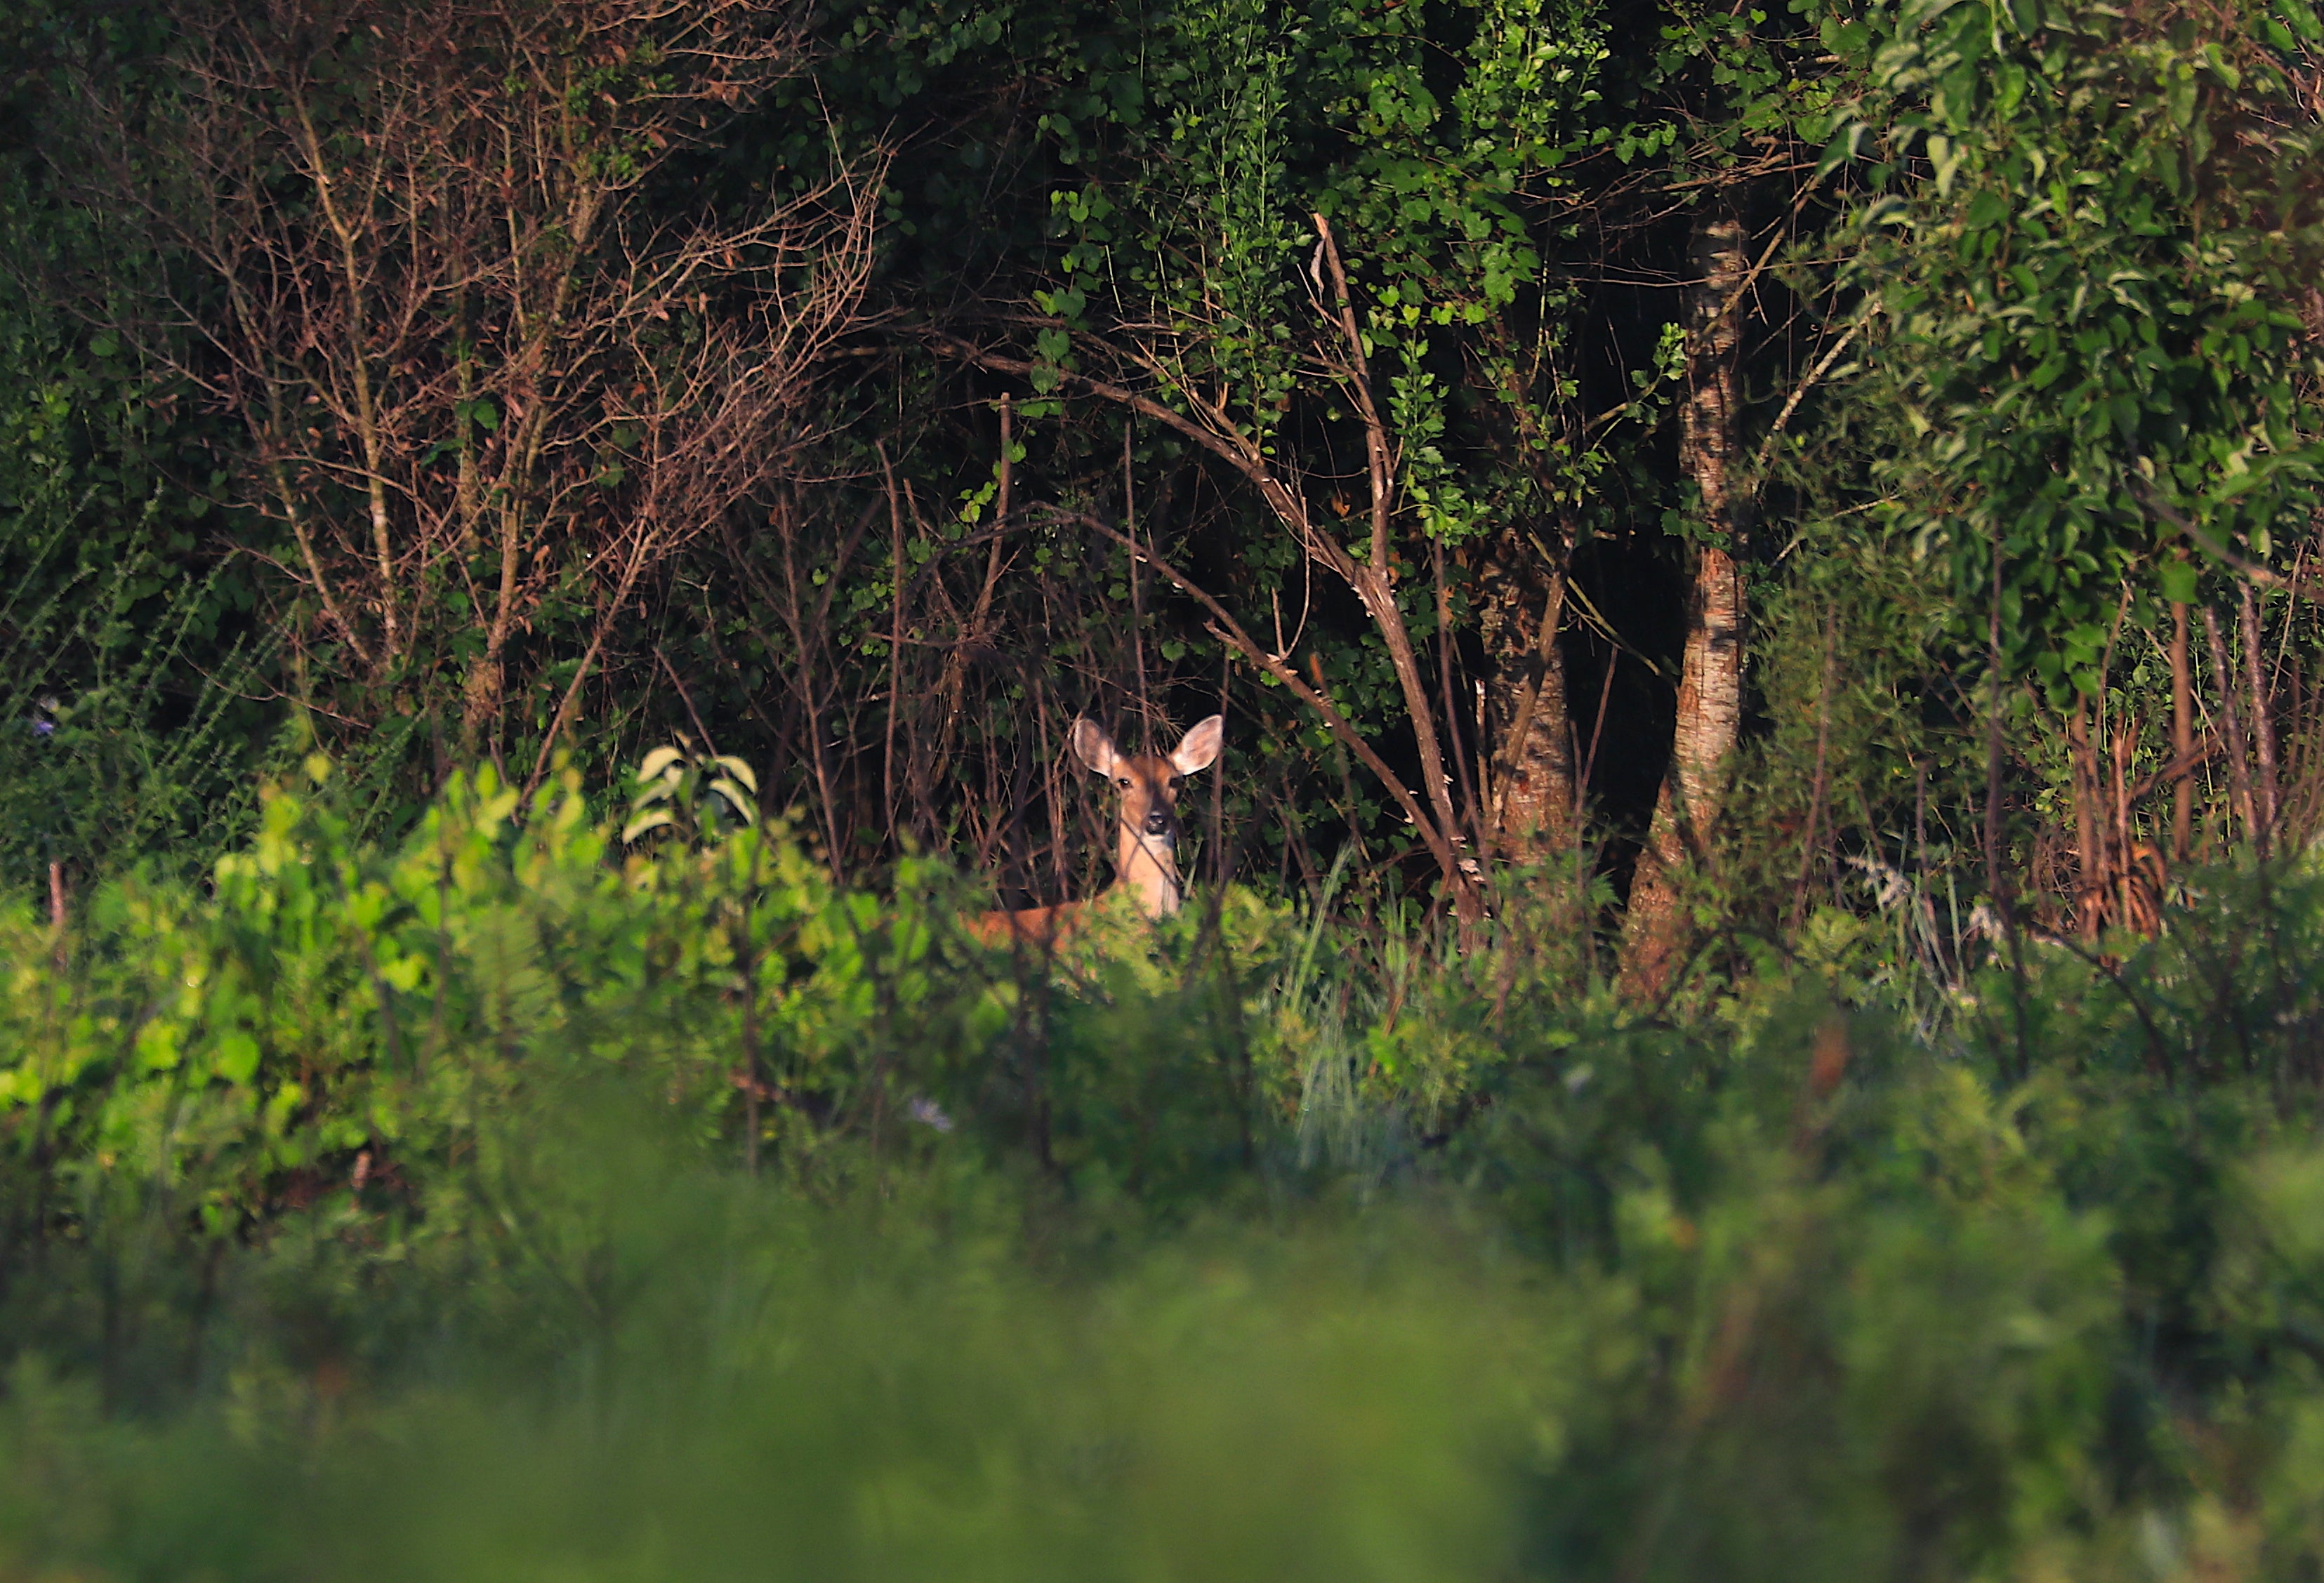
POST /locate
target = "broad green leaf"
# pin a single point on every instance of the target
(658, 819)
(740, 800)
(1842, 147)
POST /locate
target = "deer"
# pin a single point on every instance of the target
(1146, 834)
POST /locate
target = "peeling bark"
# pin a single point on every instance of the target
(1526, 720)
(1710, 680)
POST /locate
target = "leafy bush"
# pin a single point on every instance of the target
(505, 1199)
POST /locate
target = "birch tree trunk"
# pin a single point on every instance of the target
(1655, 931)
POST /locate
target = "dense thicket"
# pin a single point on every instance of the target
(1543, 430)
(481, 1203)
(1746, 1002)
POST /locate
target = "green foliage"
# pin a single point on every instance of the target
(2092, 233)
(1439, 167)
(323, 997)
(790, 1392)
(385, 1209)
(130, 668)
(127, 663)
(690, 792)
(612, 1189)
(116, 747)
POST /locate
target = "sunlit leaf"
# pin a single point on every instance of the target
(739, 769)
(741, 800)
(658, 819)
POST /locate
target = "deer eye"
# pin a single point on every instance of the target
(1177, 781)
(1123, 783)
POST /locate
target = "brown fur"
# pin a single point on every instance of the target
(1146, 836)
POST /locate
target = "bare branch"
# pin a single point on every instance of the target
(459, 348)
(1227, 629)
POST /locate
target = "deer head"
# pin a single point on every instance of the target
(1145, 818)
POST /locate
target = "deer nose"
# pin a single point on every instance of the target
(1158, 823)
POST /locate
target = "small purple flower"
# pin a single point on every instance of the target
(928, 1113)
(44, 727)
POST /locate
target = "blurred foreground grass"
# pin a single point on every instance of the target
(500, 1205)
(731, 1384)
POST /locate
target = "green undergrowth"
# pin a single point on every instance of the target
(510, 1201)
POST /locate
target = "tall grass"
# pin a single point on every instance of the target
(129, 724)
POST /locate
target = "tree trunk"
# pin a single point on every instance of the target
(480, 699)
(1527, 722)
(2240, 785)
(2263, 718)
(1710, 680)
(2091, 878)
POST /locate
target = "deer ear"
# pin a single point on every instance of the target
(1200, 745)
(1093, 747)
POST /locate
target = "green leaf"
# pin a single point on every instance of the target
(658, 819)
(1842, 147)
(234, 1056)
(736, 797)
(1986, 209)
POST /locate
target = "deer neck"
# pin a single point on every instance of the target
(1146, 866)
